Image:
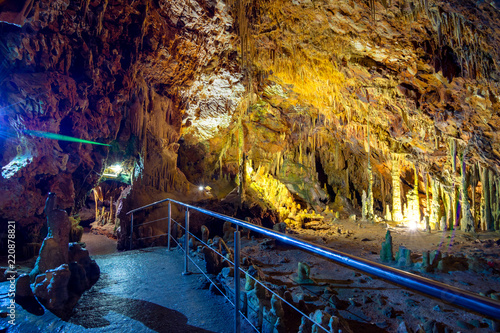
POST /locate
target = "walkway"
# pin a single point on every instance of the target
(139, 291)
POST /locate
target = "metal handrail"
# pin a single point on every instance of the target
(430, 287)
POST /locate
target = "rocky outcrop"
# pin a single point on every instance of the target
(59, 289)
(63, 271)
(15, 12)
(54, 250)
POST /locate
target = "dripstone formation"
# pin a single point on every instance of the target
(63, 270)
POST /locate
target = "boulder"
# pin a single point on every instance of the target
(25, 297)
(81, 256)
(23, 288)
(51, 289)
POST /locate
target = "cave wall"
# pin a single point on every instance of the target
(342, 89)
(112, 72)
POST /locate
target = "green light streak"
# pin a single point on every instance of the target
(55, 136)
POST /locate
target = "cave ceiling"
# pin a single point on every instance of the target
(310, 94)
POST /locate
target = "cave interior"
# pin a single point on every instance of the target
(332, 121)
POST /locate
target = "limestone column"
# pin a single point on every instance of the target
(467, 222)
(369, 201)
(397, 214)
(486, 218)
(435, 207)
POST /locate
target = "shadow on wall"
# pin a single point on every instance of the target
(95, 305)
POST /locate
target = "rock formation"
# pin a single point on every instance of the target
(63, 270)
(386, 254)
(54, 250)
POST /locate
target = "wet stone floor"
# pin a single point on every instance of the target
(139, 291)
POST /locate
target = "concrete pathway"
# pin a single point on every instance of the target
(98, 244)
(139, 291)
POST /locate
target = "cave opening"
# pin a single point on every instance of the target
(66, 128)
(323, 180)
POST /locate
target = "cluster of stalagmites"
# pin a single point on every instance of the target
(434, 261)
(263, 309)
(271, 314)
(63, 270)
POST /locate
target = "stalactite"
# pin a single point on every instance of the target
(85, 8)
(397, 214)
(144, 24)
(453, 150)
(467, 222)
(100, 17)
(337, 155)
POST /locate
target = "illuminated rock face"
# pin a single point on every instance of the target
(153, 78)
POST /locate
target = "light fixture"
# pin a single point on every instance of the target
(116, 168)
(200, 188)
(412, 225)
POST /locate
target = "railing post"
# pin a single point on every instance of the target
(236, 281)
(169, 225)
(131, 229)
(186, 245)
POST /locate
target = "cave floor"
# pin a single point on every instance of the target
(138, 291)
(366, 301)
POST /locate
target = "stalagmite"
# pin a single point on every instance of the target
(455, 205)
(364, 206)
(486, 218)
(397, 214)
(427, 196)
(435, 207)
(493, 200)
(496, 210)
(447, 203)
(412, 213)
(467, 222)
(382, 191)
(388, 215)
(473, 183)
(111, 210)
(241, 163)
(369, 198)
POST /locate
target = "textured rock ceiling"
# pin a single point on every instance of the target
(311, 94)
